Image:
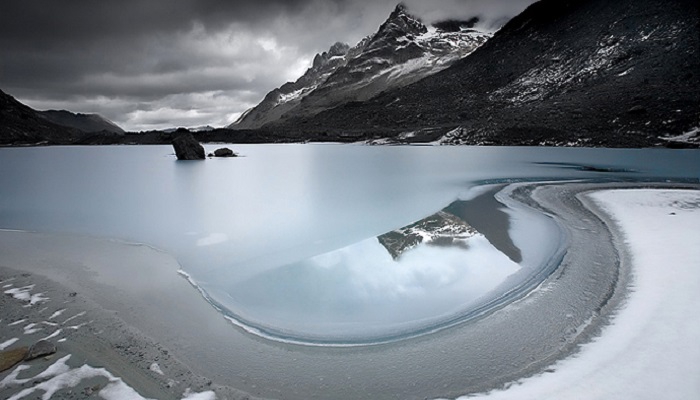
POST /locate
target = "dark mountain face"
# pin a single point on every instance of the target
(402, 51)
(288, 96)
(20, 124)
(582, 72)
(88, 123)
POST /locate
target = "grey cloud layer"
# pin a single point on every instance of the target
(196, 62)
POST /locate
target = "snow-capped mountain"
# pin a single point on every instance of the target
(402, 51)
(288, 96)
(578, 73)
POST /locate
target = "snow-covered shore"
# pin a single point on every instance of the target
(650, 350)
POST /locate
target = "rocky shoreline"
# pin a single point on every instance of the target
(87, 335)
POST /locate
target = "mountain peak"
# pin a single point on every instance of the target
(400, 9)
(339, 49)
(400, 20)
(399, 53)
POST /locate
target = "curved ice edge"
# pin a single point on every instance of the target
(497, 301)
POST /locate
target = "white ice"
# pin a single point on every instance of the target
(24, 294)
(57, 314)
(650, 349)
(7, 343)
(156, 368)
(80, 314)
(190, 395)
(60, 376)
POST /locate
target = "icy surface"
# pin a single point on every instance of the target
(59, 376)
(650, 350)
(360, 291)
(190, 395)
(8, 343)
(279, 205)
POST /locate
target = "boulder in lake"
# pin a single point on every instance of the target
(40, 349)
(187, 147)
(224, 152)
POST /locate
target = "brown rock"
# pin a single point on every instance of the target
(12, 357)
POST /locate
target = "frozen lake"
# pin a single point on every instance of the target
(284, 238)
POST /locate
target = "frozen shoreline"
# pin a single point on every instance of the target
(243, 357)
(649, 350)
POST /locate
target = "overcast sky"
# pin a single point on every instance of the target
(152, 64)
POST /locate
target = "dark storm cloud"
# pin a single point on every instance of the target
(194, 61)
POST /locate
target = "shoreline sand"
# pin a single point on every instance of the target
(149, 314)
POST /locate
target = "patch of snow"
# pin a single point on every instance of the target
(428, 62)
(11, 378)
(76, 327)
(156, 368)
(692, 136)
(649, 350)
(57, 314)
(450, 138)
(60, 376)
(80, 314)
(7, 343)
(17, 322)
(53, 335)
(24, 294)
(31, 329)
(379, 142)
(645, 37)
(407, 135)
(190, 395)
(285, 98)
(625, 72)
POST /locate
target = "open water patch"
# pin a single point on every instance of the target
(431, 275)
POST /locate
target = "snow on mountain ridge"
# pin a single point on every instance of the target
(402, 51)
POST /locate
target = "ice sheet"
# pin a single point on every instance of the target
(650, 350)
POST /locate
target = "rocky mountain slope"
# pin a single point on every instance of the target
(564, 72)
(20, 124)
(402, 51)
(88, 123)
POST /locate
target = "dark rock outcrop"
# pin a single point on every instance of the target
(88, 123)
(22, 125)
(224, 152)
(40, 349)
(187, 147)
